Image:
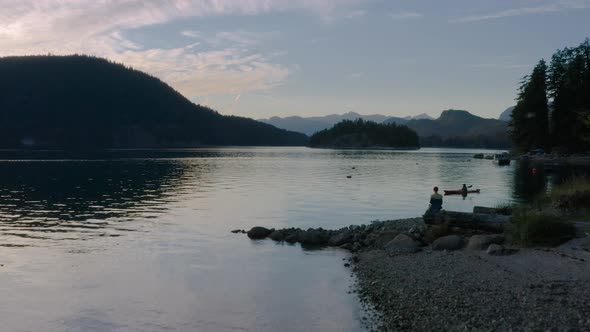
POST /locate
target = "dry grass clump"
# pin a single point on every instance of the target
(532, 227)
(573, 194)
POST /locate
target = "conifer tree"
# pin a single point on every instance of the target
(569, 86)
(530, 120)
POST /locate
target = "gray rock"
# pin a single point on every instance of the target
(449, 242)
(347, 246)
(340, 238)
(292, 238)
(434, 232)
(356, 247)
(277, 235)
(313, 237)
(383, 238)
(482, 242)
(498, 250)
(258, 232)
(495, 249)
(402, 244)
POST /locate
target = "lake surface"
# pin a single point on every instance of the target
(121, 241)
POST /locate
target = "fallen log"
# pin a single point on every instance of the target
(483, 221)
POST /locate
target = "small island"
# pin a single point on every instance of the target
(357, 134)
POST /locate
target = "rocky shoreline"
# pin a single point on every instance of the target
(434, 277)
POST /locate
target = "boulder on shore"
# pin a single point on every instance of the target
(449, 242)
(314, 237)
(482, 242)
(381, 239)
(258, 232)
(278, 235)
(402, 244)
(434, 232)
(339, 239)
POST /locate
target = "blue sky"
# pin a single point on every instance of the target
(262, 58)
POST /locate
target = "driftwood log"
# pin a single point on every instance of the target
(483, 221)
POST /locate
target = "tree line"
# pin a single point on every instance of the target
(360, 133)
(553, 103)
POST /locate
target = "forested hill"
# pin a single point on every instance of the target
(457, 128)
(365, 134)
(87, 102)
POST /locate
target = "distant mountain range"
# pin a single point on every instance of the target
(454, 128)
(457, 128)
(505, 116)
(311, 125)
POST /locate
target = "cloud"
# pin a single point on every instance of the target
(190, 33)
(355, 14)
(240, 37)
(198, 74)
(498, 65)
(356, 75)
(405, 15)
(547, 8)
(223, 63)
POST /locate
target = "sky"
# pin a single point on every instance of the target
(263, 58)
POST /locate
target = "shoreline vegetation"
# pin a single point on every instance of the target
(441, 272)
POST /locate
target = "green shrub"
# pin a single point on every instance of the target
(530, 228)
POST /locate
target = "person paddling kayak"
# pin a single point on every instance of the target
(436, 201)
(464, 190)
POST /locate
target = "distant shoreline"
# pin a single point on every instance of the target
(366, 148)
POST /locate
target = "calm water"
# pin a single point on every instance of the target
(121, 242)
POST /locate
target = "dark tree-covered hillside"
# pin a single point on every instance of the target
(461, 129)
(360, 133)
(85, 102)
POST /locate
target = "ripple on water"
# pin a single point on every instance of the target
(151, 235)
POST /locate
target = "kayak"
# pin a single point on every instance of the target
(459, 192)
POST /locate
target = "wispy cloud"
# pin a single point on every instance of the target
(498, 65)
(356, 75)
(225, 62)
(543, 9)
(355, 14)
(240, 37)
(405, 15)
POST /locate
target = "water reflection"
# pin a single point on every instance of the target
(181, 268)
(74, 199)
(532, 179)
(529, 181)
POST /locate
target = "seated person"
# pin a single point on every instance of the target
(436, 201)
